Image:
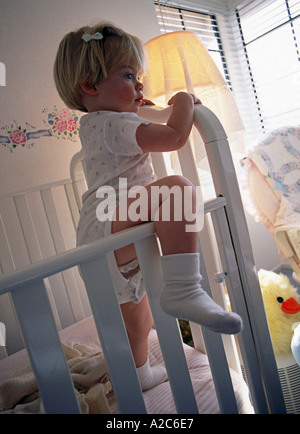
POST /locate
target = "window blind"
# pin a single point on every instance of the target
(172, 18)
(270, 33)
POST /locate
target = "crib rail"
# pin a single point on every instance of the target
(27, 288)
(46, 354)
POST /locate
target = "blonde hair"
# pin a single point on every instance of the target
(79, 62)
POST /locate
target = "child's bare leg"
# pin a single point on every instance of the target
(138, 322)
(182, 295)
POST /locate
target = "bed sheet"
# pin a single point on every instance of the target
(158, 400)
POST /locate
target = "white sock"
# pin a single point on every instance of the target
(183, 297)
(151, 376)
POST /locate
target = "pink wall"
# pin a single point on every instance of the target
(30, 31)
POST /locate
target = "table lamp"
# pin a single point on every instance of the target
(178, 61)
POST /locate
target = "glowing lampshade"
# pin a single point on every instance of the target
(178, 61)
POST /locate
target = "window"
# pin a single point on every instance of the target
(270, 33)
(174, 18)
(261, 42)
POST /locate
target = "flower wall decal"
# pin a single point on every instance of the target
(61, 124)
(16, 135)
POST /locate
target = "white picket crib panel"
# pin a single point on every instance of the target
(35, 225)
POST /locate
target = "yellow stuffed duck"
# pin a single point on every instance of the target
(282, 309)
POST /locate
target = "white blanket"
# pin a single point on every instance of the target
(19, 394)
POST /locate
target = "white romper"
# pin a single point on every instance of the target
(110, 152)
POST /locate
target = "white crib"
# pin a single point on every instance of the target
(48, 295)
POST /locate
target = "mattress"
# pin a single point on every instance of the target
(158, 400)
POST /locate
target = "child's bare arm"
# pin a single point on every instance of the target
(172, 136)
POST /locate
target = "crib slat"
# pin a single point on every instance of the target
(167, 328)
(220, 372)
(213, 265)
(74, 210)
(60, 246)
(6, 259)
(28, 228)
(113, 337)
(217, 358)
(7, 314)
(32, 241)
(44, 349)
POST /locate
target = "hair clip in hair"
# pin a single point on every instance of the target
(87, 37)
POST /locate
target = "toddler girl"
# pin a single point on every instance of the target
(97, 71)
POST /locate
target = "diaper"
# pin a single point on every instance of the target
(135, 289)
(127, 279)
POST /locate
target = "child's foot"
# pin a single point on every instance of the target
(198, 307)
(151, 376)
(183, 297)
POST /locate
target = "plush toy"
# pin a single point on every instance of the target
(295, 345)
(282, 309)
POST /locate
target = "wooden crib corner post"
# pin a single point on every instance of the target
(226, 185)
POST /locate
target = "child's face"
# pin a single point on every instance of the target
(121, 91)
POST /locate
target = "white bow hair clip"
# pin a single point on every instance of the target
(87, 37)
